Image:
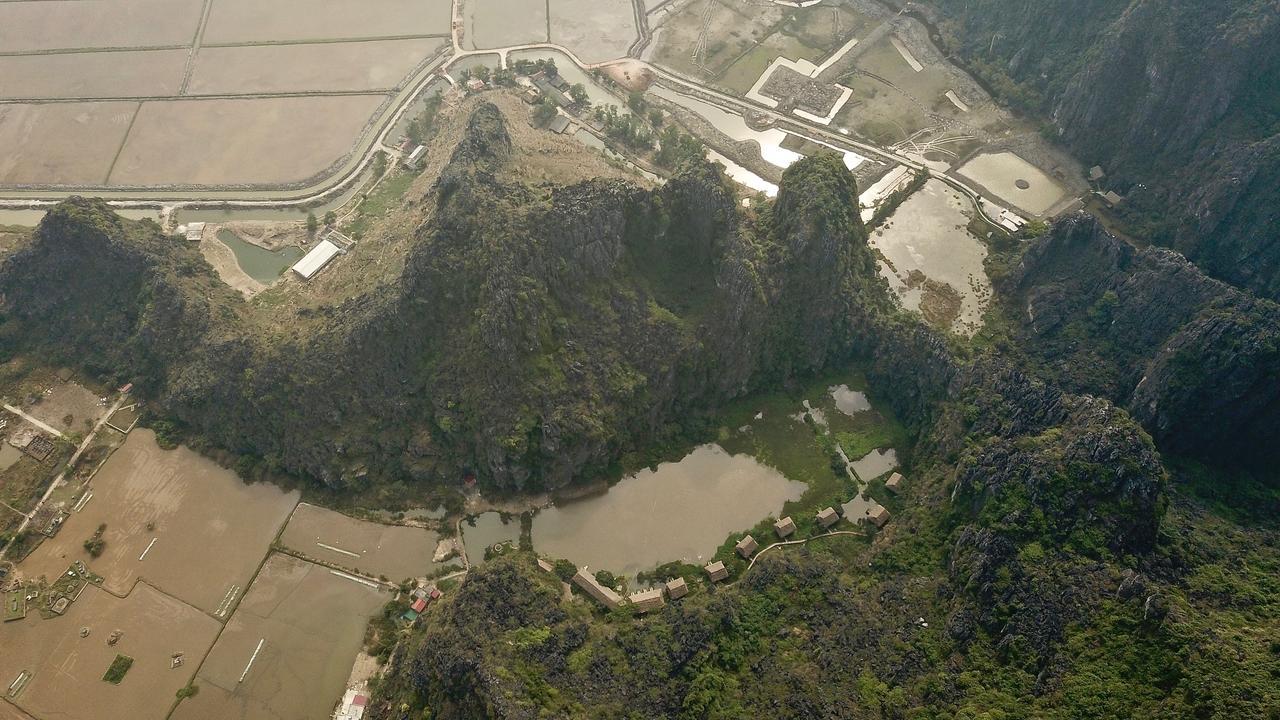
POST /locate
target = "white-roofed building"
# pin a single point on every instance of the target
(313, 262)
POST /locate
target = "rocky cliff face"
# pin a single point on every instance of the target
(535, 334)
(1178, 100)
(1193, 359)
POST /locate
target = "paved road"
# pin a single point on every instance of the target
(410, 94)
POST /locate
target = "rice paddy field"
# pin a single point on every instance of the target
(288, 650)
(394, 551)
(64, 670)
(165, 93)
(174, 519)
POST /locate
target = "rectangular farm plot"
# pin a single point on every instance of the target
(261, 141)
(142, 73)
(372, 548)
(65, 670)
(241, 21)
(501, 23)
(98, 24)
(173, 518)
(325, 67)
(597, 30)
(68, 407)
(288, 650)
(61, 143)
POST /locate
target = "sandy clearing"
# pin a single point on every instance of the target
(310, 624)
(251, 141)
(210, 529)
(256, 21)
(327, 67)
(67, 669)
(92, 75)
(1000, 174)
(98, 24)
(61, 143)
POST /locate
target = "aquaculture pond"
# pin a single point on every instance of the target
(259, 263)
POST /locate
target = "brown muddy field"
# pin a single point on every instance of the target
(92, 75)
(35, 145)
(67, 669)
(255, 20)
(99, 24)
(310, 623)
(261, 141)
(372, 548)
(210, 529)
(326, 67)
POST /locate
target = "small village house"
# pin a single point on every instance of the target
(677, 588)
(746, 547)
(716, 571)
(603, 595)
(785, 528)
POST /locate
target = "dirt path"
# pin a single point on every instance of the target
(88, 440)
(47, 428)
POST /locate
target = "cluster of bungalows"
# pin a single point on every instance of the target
(642, 601)
(653, 598)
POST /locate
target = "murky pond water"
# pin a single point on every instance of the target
(485, 530)
(742, 175)
(679, 511)
(849, 401)
(31, 218)
(928, 236)
(875, 464)
(265, 266)
(1014, 180)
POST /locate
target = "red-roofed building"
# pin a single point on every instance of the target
(418, 605)
(360, 701)
(436, 594)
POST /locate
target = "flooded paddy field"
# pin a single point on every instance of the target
(288, 650)
(677, 511)
(151, 129)
(275, 140)
(92, 75)
(394, 551)
(596, 30)
(103, 24)
(1015, 181)
(66, 669)
(34, 140)
(502, 23)
(932, 261)
(243, 21)
(173, 518)
(332, 67)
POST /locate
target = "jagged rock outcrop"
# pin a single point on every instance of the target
(1176, 99)
(1196, 361)
(533, 336)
